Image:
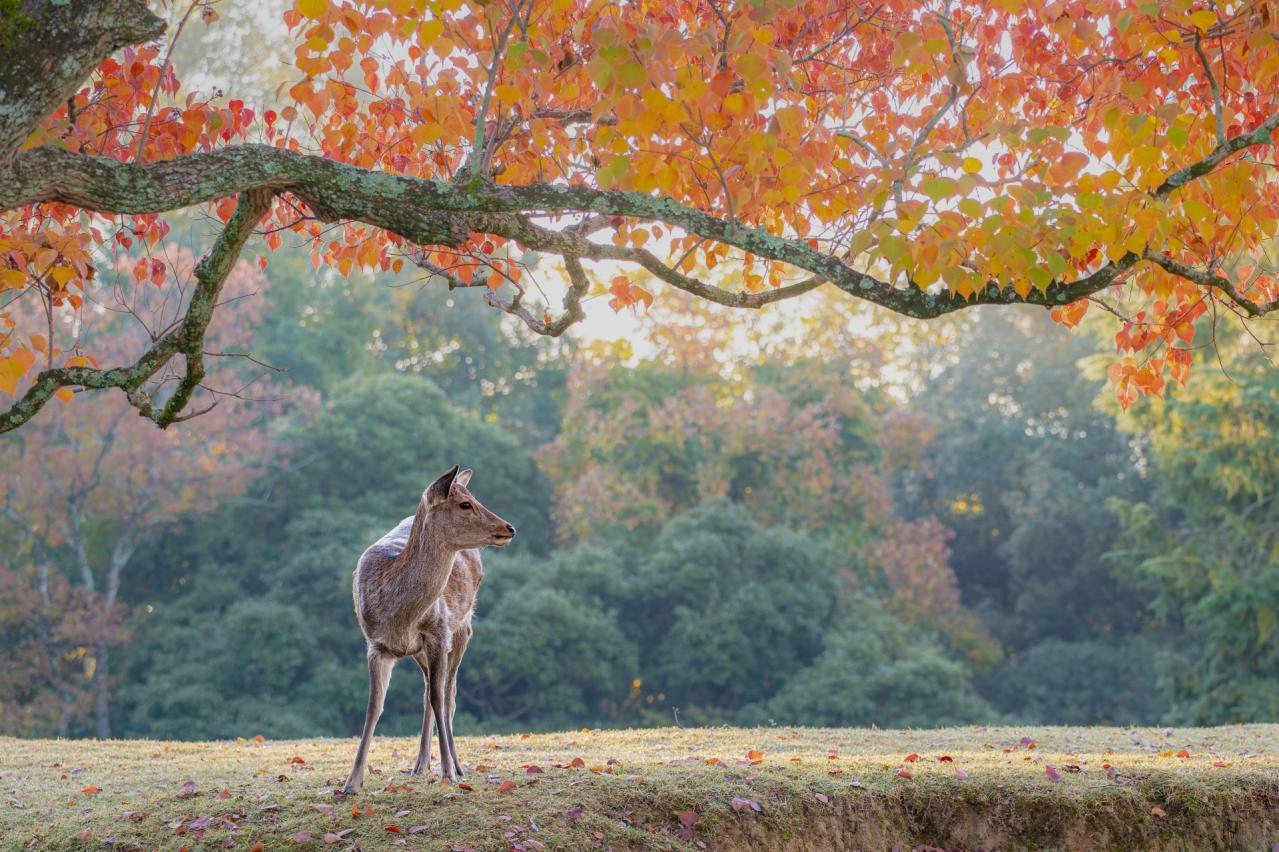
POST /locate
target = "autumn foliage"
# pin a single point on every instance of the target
(921, 156)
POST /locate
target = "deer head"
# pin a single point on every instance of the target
(458, 519)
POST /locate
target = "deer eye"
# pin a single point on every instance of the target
(464, 505)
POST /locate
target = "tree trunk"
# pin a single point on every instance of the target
(101, 690)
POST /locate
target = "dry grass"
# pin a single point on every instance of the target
(817, 789)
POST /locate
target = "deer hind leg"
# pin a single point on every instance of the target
(438, 663)
(380, 666)
(422, 766)
(460, 641)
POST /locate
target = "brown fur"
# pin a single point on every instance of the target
(414, 592)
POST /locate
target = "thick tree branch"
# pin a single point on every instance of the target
(1216, 282)
(187, 338)
(437, 212)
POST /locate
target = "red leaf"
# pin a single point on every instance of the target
(1052, 773)
(533, 769)
(688, 819)
(90, 790)
(467, 787)
(505, 786)
(1183, 753)
(394, 829)
(755, 756)
(945, 758)
(577, 763)
(296, 759)
(903, 772)
(911, 758)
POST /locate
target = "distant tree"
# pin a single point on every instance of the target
(875, 670)
(1019, 461)
(47, 640)
(93, 484)
(1205, 543)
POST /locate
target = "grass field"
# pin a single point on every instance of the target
(724, 788)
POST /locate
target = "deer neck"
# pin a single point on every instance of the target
(426, 558)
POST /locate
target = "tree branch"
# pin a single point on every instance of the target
(436, 212)
(187, 338)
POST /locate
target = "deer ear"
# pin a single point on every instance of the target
(463, 478)
(438, 491)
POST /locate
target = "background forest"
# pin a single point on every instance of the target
(815, 517)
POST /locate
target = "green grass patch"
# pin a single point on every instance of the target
(662, 788)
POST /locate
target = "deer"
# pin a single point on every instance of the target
(408, 604)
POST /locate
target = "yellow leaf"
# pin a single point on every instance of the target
(1204, 18)
(507, 94)
(313, 8)
(10, 372)
(429, 31)
(972, 165)
(62, 274)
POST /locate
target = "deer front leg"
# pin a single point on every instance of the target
(438, 664)
(460, 640)
(422, 766)
(380, 667)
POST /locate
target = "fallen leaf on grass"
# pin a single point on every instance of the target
(911, 758)
(506, 786)
(225, 794)
(418, 829)
(324, 809)
(302, 836)
(1158, 811)
(574, 813)
(296, 759)
(90, 790)
(257, 847)
(577, 763)
(1220, 764)
(1053, 775)
(533, 769)
(823, 798)
(1183, 753)
(903, 772)
(945, 758)
(741, 803)
(755, 756)
(687, 820)
(467, 787)
(394, 829)
(961, 774)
